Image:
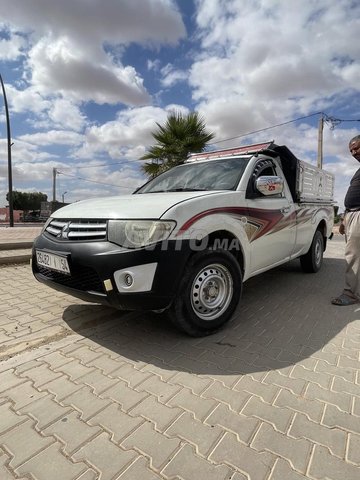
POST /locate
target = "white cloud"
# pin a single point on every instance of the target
(27, 100)
(57, 66)
(64, 113)
(279, 56)
(128, 135)
(171, 76)
(155, 21)
(52, 137)
(12, 48)
(69, 52)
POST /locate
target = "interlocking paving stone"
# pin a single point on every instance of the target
(273, 396)
(244, 427)
(23, 443)
(325, 465)
(40, 374)
(161, 415)
(124, 395)
(279, 417)
(333, 438)
(139, 471)
(72, 431)
(8, 418)
(312, 408)
(50, 463)
(295, 451)
(23, 394)
(203, 437)
(353, 453)
(148, 441)
(266, 392)
(198, 406)
(44, 411)
(116, 422)
(274, 377)
(340, 400)
(235, 400)
(321, 379)
(85, 402)
(256, 465)
(283, 471)
(106, 457)
(187, 465)
(196, 384)
(333, 417)
(5, 472)
(154, 385)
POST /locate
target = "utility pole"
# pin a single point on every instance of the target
(54, 184)
(11, 210)
(320, 142)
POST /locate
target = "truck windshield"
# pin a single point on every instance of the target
(222, 174)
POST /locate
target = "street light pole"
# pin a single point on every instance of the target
(54, 184)
(63, 197)
(11, 210)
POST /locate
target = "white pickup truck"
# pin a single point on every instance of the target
(187, 240)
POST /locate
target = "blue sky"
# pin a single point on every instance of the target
(86, 82)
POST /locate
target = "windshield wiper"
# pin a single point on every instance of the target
(178, 190)
(182, 189)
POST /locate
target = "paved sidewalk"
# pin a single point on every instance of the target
(16, 243)
(23, 233)
(89, 393)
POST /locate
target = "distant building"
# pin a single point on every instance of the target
(5, 216)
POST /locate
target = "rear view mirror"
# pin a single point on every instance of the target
(269, 185)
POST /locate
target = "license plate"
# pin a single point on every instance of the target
(54, 262)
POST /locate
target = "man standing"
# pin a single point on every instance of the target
(351, 227)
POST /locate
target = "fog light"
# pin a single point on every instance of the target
(128, 279)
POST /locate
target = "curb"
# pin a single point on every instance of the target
(16, 245)
(15, 259)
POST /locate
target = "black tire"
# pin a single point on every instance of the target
(311, 262)
(209, 293)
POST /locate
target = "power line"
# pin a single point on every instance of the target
(94, 181)
(331, 121)
(266, 128)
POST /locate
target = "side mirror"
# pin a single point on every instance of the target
(269, 185)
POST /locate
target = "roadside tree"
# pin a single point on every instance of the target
(181, 135)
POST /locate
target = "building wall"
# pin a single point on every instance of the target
(4, 215)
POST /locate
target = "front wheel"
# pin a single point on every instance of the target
(209, 293)
(311, 262)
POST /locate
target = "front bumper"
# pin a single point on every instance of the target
(98, 270)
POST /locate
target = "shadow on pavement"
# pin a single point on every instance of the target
(285, 316)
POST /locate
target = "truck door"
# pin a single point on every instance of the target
(271, 220)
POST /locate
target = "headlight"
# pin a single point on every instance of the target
(139, 233)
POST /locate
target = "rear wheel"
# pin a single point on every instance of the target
(209, 293)
(311, 262)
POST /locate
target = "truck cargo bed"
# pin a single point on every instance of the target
(313, 184)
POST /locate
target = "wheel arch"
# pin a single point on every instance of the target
(323, 229)
(228, 241)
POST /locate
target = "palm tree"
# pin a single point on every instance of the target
(181, 135)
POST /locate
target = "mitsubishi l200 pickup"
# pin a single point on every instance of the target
(187, 240)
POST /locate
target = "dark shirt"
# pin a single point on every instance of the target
(352, 198)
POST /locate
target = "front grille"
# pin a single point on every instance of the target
(77, 230)
(82, 278)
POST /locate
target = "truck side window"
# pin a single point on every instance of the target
(262, 168)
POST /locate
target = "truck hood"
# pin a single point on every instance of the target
(145, 205)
